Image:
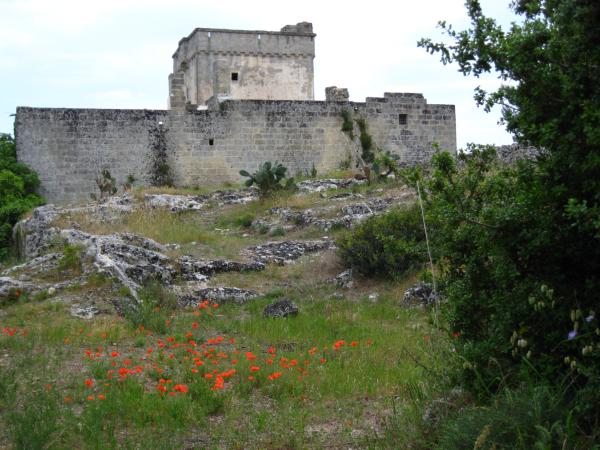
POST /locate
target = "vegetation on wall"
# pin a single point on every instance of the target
(18, 184)
(161, 174)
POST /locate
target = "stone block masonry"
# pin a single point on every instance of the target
(69, 147)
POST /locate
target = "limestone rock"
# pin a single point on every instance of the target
(174, 202)
(282, 308)
(11, 286)
(309, 186)
(284, 252)
(192, 269)
(217, 295)
(84, 312)
(343, 279)
(335, 94)
(33, 235)
(421, 294)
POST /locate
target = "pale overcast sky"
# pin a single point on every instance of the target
(117, 53)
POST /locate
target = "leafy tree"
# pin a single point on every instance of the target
(17, 190)
(521, 245)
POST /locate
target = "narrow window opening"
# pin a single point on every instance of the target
(211, 141)
(402, 119)
(234, 76)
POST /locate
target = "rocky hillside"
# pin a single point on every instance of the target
(127, 282)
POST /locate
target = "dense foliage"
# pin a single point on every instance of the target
(17, 190)
(521, 246)
(386, 246)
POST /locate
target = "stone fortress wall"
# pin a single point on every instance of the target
(69, 147)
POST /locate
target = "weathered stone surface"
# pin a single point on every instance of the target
(240, 196)
(174, 202)
(34, 235)
(285, 252)
(9, 286)
(357, 209)
(193, 269)
(282, 308)
(41, 264)
(343, 279)
(421, 294)
(217, 295)
(335, 94)
(309, 186)
(86, 312)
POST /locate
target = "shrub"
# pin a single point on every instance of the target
(71, 259)
(106, 184)
(18, 184)
(268, 178)
(347, 125)
(531, 417)
(387, 245)
(366, 141)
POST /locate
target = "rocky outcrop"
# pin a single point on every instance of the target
(193, 269)
(177, 203)
(215, 294)
(282, 308)
(421, 294)
(343, 279)
(174, 202)
(310, 186)
(285, 252)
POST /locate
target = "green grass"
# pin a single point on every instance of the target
(353, 383)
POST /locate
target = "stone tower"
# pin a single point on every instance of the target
(242, 65)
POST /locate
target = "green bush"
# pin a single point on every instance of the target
(386, 246)
(521, 245)
(269, 178)
(18, 184)
(531, 417)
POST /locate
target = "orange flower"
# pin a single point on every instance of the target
(195, 325)
(250, 356)
(114, 354)
(90, 397)
(322, 360)
(208, 375)
(271, 350)
(101, 397)
(275, 375)
(339, 343)
(89, 383)
(354, 343)
(254, 369)
(181, 388)
(251, 378)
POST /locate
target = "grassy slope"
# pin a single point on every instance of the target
(343, 397)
